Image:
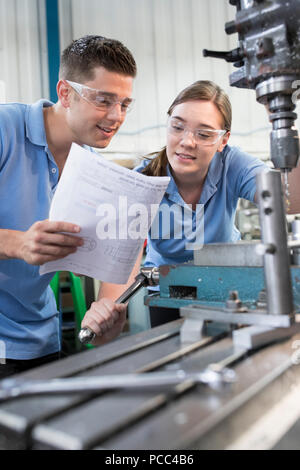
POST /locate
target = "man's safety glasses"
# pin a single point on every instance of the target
(101, 99)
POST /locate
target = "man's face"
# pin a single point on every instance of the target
(95, 126)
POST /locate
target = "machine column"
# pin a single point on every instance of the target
(274, 237)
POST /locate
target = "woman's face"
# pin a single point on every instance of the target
(189, 154)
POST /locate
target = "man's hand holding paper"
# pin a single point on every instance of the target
(113, 206)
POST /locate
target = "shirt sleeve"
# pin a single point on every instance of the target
(1, 142)
(242, 173)
(9, 124)
(144, 162)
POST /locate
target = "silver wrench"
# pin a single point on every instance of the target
(214, 376)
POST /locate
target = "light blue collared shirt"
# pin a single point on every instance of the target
(231, 175)
(29, 323)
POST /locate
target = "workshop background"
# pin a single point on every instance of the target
(261, 409)
(165, 36)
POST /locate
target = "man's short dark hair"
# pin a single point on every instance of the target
(82, 56)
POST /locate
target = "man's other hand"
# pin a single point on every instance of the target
(44, 242)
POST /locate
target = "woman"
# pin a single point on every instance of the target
(206, 176)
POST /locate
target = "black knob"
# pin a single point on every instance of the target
(230, 27)
(230, 56)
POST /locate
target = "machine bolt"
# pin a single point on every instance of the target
(233, 295)
(262, 299)
(233, 303)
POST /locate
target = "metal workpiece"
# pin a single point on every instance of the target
(148, 276)
(273, 228)
(241, 253)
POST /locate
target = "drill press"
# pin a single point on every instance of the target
(268, 60)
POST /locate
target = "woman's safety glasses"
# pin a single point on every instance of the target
(201, 136)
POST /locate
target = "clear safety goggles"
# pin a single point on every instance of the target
(201, 136)
(101, 99)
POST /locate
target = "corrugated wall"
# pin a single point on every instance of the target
(23, 51)
(166, 38)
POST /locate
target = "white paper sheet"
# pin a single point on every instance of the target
(113, 206)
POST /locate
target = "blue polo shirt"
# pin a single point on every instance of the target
(231, 175)
(29, 323)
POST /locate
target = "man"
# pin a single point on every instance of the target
(94, 90)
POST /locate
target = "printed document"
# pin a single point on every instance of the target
(113, 206)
